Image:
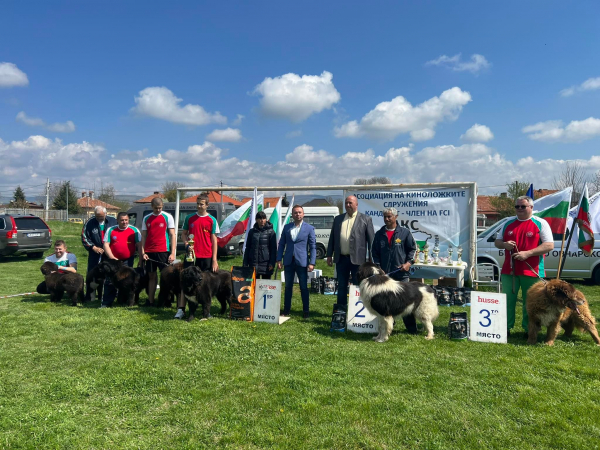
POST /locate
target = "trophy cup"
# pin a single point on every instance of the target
(436, 254)
(417, 251)
(459, 251)
(450, 250)
(426, 253)
(191, 256)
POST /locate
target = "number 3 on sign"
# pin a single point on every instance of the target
(486, 316)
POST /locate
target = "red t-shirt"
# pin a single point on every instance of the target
(201, 227)
(122, 242)
(527, 235)
(157, 232)
(389, 235)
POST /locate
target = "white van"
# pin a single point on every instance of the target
(320, 217)
(577, 265)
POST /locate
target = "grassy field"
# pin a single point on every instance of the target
(135, 378)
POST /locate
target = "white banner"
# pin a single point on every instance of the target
(360, 320)
(488, 317)
(267, 301)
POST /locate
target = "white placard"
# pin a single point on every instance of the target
(488, 317)
(360, 320)
(267, 301)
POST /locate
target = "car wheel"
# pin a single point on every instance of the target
(596, 275)
(320, 252)
(35, 255)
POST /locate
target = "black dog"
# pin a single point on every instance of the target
(199, 288)
(143, 283)
(57, 283)
(124, 278)
(170, 284)
(94, 284)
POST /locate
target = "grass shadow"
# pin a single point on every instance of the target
(18, 258)
(36, 298)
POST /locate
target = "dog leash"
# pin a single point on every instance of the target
(159, 262)
(532, 269)
(18, 295)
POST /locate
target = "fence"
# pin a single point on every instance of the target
(51, 214)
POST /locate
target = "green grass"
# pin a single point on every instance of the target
(135, 378)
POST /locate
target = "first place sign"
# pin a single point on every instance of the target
(488, 317)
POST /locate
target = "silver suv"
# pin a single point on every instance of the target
(24, 234)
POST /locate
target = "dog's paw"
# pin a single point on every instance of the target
(429, 337)
(190, 319)
(549, 343)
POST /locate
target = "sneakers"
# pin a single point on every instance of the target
(180, 314)
(285, 314)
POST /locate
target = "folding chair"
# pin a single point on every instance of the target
(486, 274)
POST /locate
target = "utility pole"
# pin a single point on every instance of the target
(222, 207)
(47, 198)
(67, 184)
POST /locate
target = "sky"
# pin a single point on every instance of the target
(135, 93)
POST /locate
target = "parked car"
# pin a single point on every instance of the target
(577, 265)
(76, 220)
(21, 234)
(138, 212)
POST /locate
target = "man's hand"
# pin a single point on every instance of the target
(310, 267)
(510, 245)
(145, 257)
(171, 258)
(98, 250)
(279, 265)
(406, 266)
(215, 265)
(270, 268)
(329, 261)
(522, 256)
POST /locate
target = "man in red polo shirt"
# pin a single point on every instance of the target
(204, 228)
(526, 239)
(158, 243)
(120, 243)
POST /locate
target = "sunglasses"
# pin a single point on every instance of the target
(521, 206)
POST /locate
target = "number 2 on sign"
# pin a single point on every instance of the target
(485, 317)
(358, 314)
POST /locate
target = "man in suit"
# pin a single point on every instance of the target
(298, 251)
(351, 235)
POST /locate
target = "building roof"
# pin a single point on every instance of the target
(269, 202)
(214, 197)
(484, 205)
(150, 197)
(543, 192)
(89, 203)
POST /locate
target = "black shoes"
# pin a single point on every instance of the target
(305, 315)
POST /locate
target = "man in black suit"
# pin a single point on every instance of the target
(351, 235)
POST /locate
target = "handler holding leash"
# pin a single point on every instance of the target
(394, 248)
(526, 239)
(158, 237)
(92, 235)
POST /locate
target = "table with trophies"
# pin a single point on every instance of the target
(423, 259)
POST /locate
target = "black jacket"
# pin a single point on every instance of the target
(261, 249)
(403, 249)
(91, 236)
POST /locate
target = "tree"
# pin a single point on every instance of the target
(19, 199)
(284, 201)
(108, 195)
(169, 189)
(595, 183)
(336, 202)
(372, 180)
(573, 174)
(60, 200)
(505, 205)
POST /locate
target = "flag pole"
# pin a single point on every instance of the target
(563, 257)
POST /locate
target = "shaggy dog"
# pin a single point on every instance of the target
(94, 284)
(170, 284)
(555, 304)
(57, 283)
(200, 287)
(387, 298)
(142, 284)
(125, 279)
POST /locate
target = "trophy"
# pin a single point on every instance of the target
(436, 251)
(191, 256)
(417, 251)
(459, 255)
(426, 253)
(450, 250)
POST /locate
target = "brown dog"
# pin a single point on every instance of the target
(555, 304)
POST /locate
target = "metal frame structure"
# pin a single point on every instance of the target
(472, 186)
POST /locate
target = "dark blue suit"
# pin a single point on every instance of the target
(296, 256)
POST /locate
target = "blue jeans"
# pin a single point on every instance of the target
(110, 291)
(289, 272)
(344, 269)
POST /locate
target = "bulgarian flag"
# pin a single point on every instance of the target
(256, 206)
(594, 212)
(584, 221)
(554, 208)
(235, 224)
(275, 219)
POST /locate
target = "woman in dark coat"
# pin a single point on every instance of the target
(261, 248)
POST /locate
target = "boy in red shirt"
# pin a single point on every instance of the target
(204, 228)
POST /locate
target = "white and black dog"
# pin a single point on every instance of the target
(387, 298)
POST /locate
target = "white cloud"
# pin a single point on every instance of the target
(293, 134)
(296, 98)
(478, 133)
(238, 120)
(591, 84)
(398, 116)
(66, 127)
(161, 103)
(554, 131)
(11, 75)
(476, 64)
(227, 135)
